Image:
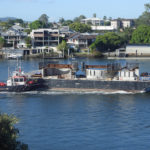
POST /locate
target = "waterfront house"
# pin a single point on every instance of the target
(45, 37)
(81, 40)
(13, 37)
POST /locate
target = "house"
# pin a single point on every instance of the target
(13, 37)
(65, 31)
(45, 37)
(22, 44)
(81, 40)
(127, 23)
(17, 28)
(98, 24)
(93, 21)
(116, 23)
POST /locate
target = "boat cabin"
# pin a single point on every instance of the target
(18, 78)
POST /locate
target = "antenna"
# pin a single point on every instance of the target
(8, 72)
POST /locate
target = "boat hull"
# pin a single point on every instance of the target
(37, 85)
(97, 85)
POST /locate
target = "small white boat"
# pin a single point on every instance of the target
(13, 56)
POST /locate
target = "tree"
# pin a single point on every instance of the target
(63, 47)
(79, 27)
(94, 15)
(144, 19)
(28, 42)
(141, 35)
(105, 18)
(67, 22)
(126, 35)
(27, 31)
(2, 41)
(44, 20)
(9, 134)
(107, 42)
(78, 19)
(19, 21)
(61, 20)
(5, 25)
(36, 25)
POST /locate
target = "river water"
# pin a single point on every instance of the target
(79, 121)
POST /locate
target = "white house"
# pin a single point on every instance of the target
(93, 21)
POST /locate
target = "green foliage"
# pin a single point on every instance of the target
(36, 25)
(2, 41)
(27, 31)
(144, 19)
(61, 20)
(9, 134)
(141, 35)
(67, 23)
(126, 34)
(63, 47)
(28, 42)
(44, 20)
(96, 53)
(5, 25)
(19, 21)
(79, 27)
(107, 23)
(94, 15)
(78, 19)
(107, 42)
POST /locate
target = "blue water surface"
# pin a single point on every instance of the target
(79, 121)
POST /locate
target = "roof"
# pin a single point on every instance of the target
(12, 32)
(91, 19)
(140, 45)
(82, 36)
(16, 27)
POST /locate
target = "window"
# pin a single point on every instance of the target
(21, 79)
(16, 80)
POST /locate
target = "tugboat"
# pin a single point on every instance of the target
(20, 82)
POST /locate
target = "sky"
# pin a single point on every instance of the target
(30, 10)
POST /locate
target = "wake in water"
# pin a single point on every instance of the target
(53, 92)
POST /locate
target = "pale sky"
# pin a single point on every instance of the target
(31, 10)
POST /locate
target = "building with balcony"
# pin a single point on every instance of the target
(81, 40)
(127, 23)
(93, 21)
(13, 37)
(45, 37)
(98, 24)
